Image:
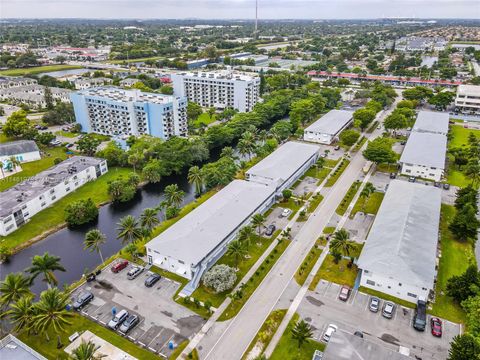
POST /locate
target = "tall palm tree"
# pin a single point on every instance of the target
(14, 161)
(22, 313)
(301, 332)
(341, 242)
(237, 250)
(86, 351)
(173, 195)
(45, 264)
(246, 147)
(258, 220)
(162, 206)
(245, 234)
(366, 192)
(149, 219)
(228, 151)
(128, 229)
(195, 177)
(13, 287)
(94, 239)
(51, 313)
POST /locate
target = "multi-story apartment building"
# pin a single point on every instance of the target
(218, 89)
(19, 203)
(468, 99)
(118, 112)
(7, 82)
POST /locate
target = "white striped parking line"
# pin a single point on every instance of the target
(141, 343)
(152, 349)
(159, 333)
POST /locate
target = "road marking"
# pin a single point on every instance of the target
(141, 343)
(152, 349)
(156, 336)
(166, 342)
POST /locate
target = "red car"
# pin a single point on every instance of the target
(122, 264)
(344, 293)
(436, 325)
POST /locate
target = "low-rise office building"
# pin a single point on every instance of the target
(399, 256)
(432, 122)
(285, 165)
(218, 89)
(21, 150)
(468, 99)
(424, 156)
(118, 112)
(327, 129)
(19, 203)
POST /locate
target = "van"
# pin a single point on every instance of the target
(118, 319)
(420, 318)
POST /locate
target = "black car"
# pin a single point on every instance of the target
(151, 280)
(393, 175)
(129, 324)
(446, 186)
(83, 299)
(270, 230)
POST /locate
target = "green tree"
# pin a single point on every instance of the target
(380, 151)
(47, 95)
(341, 242)
(258, 221)
(246, 234)
(80, 212)
(287, 194)
(349, 137)
(366, 192)
(152, 172)
(463, 286)
(301, 112)
(129, 229)
(472, 171)
(464, 347)
(195, 177)
(472, 308)
(21, 314)
(149, 219)
(301, 332)
(88, 144)
(174, 195)
(395, 121)
(122, 190)
(94, 239)
(17, 125)
(465, 223)
(86, 351)
(45, 265)
(237, 250)
(193, 111)
(442, 100)
(363, 117)
(13, 287)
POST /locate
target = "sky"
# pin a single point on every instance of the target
(239, 9)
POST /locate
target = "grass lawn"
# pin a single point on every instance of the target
(347, 199)
(287, 348)
(372, 127)
(329, 229)
(314, 202)
(456, 177)
(370, 207)
(3, 138)
(359, 144)
(338, 273)
(292, 204)
(66, 134)
(32, 168)
(387, 168)
(308, 263)
(37, 70)
(178, 350)
(252, 284)
(54, 215)
(386, 297)
(204, 119)
(456, 257)
(459, 136)
(336, 174)
(266, 332)
(80, 323)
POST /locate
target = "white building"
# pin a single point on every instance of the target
(19, 203)
(399, 256)
(218, 89)
(284, 166)
(468, 99)
(22, 150)
(86, 83)
(432, 122)
(117, 112)
(33, 95)
(424, 156)
(327, 129)
(7, 82)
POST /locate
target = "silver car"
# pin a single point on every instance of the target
(374, 305)
(134, 272)
(388, 309)
(118, 319)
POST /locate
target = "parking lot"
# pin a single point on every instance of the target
(322, 307)
(161, 319)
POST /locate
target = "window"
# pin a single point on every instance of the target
(412, 295)
(181, 262)
(370, 282)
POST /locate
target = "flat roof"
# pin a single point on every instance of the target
(345, 346)
(13, 349)
(219, 75)
(124, 95)
(402, 243)
(426, 149)
(332, 122)
(429, 121)
(197, 234)
(468, 90)
(280, 165)
(33, 187)
(17, 147)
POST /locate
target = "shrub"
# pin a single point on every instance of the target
(220, 278)
(57, 161)
(80, 212)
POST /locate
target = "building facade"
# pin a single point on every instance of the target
(327, 129)
(19, 203)
(218, 89)
(22, 150)
(118, 112)
(468, 99)
(33, 95)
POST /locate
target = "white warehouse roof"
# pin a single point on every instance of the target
(425, 149)
(434, 122)
(402, 243)
(197, 234)
(332, 122)
(284, 162)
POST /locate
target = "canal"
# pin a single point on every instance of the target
(68, 243)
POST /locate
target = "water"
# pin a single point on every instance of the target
(62, 73)
(68, 244)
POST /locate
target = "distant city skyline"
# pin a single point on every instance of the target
(240, 9)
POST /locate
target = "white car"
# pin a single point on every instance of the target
(118, 319)
(331, 328)
(286, 212)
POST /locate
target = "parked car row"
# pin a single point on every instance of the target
(123, 321)
(134, 272)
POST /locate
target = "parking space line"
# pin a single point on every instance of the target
(166, 343)
(159, 333)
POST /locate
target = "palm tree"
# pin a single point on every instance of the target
(128, 229)
(287, 233)
(149, 219)
(366, 192)
(51, 313)
(162, 206)
(13, 287)
(258, 220)
(341, 242)
(246, 145)
(14, 161)
(94, 239)
(173, 195)
(134, 160)
(237, 250)
(301, 332)
(195, 177)
(131, 249)
(86, 351)
(228, 152)
(1, 169)
(262, 136)
(245, 234)
(46, 265)
(22, 313)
